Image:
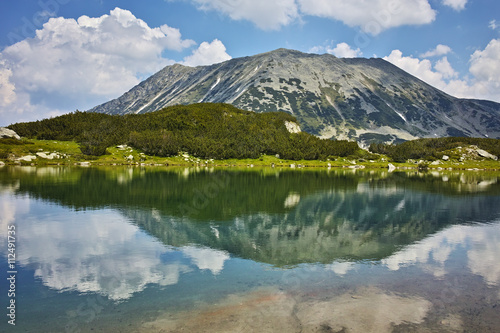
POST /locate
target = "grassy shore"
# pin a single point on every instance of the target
(68, 153)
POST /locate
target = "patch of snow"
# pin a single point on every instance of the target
(149, 103)
(215, 84)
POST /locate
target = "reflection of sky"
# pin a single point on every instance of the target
(96, 251)
(481, 243)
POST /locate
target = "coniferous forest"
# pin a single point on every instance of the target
(207, 130)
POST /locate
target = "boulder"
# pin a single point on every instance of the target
(485, 154)
(8, 133)
(27, 158)
(47, 155)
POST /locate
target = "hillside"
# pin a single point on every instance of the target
(364, 99)
(218, 131)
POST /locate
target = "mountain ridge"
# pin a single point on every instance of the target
(341, 98)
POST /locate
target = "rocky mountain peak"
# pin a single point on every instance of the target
(363, 99)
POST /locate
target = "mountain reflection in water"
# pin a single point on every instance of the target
(210, 229)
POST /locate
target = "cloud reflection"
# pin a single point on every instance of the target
(481, 243)
(100, 252)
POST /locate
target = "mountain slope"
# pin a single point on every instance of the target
(366, 99)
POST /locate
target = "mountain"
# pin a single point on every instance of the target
(365, 99)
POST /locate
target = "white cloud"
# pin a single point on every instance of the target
(443, 67)
(485, 66)
(484, 82)
(7, 89)
(73, 64)
(207, 54)
(438, 51)
(419, 68)
(265, 14)
(493, 25)
(375, 16)
(458, 5)
(343, 50)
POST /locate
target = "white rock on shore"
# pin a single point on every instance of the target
(49, 156)
(27, 158)
(485, 154)
(8, 133)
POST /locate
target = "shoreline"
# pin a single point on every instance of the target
(67, 153)
(292, 166)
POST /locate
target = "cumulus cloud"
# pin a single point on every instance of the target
(343, 50)
(458, 5)
(7, 89)
(376, 16)
(438, 51)
(207, 54)
(80, 63)
(443, 67)
(419, 68)
(265, 14)
(483, 83)
(485, 65)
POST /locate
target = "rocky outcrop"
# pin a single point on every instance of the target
(8, 133)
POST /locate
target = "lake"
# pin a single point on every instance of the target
(157, 249)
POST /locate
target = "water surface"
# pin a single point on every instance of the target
(214, 250)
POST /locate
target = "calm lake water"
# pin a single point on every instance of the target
(268, 250)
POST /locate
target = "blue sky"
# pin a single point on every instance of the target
(57, 56)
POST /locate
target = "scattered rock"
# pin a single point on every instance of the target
(485, 154)
(48, 156)
(8, 133)
(2, 164)
(391, 167)
(27, 158)
(130, 157)
(445, 158)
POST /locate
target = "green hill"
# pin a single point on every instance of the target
(206, 130)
